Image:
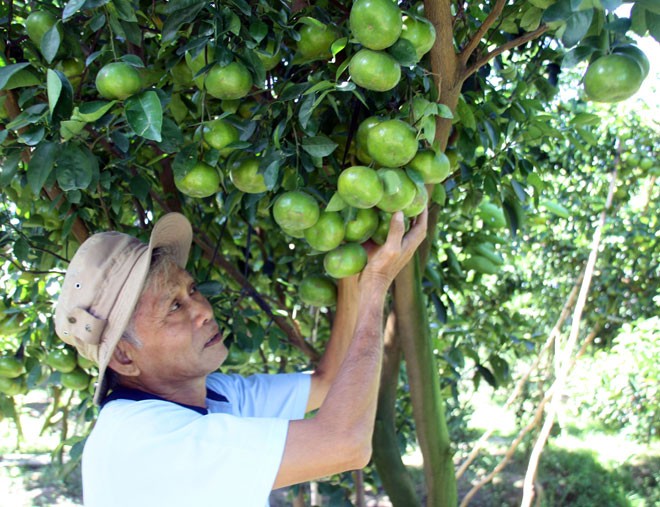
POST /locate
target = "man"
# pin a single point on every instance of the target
(171, 432)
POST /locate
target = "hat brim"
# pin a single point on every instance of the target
(172, 231)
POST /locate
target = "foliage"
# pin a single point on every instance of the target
(626, 394)
(74, 163)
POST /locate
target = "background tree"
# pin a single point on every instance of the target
(117, 112)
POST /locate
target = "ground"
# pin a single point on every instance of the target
(579, 468)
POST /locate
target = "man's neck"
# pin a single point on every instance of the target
(190, 392)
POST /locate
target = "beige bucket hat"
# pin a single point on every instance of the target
(103, 283)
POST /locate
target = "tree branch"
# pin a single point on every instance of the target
(473, 43)
(503, 48)
(565, 361)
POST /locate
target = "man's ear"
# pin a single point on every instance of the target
(122, 360)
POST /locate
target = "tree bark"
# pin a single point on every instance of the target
(428, 405)
(386, 455)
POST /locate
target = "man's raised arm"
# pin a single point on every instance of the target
(338, 437)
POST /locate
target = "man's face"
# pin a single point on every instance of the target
(179, 335)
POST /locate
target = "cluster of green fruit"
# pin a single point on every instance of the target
(616, 76)
(63, 361)
(378, 25)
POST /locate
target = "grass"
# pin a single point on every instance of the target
(581, 466)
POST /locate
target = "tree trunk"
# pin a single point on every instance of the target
(386, 455)
(428, 405)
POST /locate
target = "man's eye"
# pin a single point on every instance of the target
(174, 306)
(193, 289)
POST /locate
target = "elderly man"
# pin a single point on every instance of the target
(171, 432)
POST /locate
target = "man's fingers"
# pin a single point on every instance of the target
(397, 228)
(417, 232)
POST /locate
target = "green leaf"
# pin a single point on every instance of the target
(8, 71)
(653, 24)
(559, 11)
(54, 86)
(577, 26)
(576, 55)
(531, 19)
(125, 11)
(32, 114)
(41, 165)
(77, 167)
(465, 115)
(92, 111)
(50, 42)
(638, 19)
(444, 111)
(583, 118)
(319, 146)
(71, 128)
(338, 45)
(184, 161)
(179, 16)
(336, 203)
(71, 7)
(403, 52)
(258, 30)
(144, 114)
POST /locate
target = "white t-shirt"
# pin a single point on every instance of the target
(145, 451)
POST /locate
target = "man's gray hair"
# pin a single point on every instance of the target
(162, 261)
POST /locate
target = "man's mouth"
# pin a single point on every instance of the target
(215, 339)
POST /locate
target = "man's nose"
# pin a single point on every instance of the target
(203, 312)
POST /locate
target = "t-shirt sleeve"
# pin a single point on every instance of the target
(282, 396)
(160, 454)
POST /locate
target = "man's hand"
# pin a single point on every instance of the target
(386, 261)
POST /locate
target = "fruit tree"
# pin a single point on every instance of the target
(288, 132)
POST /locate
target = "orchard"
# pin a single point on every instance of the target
(288, 133)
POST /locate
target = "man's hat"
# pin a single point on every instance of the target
(103, 283)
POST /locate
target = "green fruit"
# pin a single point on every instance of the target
(268, 57)
(296, 211)
(219, 134)
(38, 23)
(346, 260)
(637, 54)
(362, 226)
(376, 24)
(380, 234)
(230, 82)
(72, 68)
(62, 360)
(246, 177)
(360, 187)
(420, 33)
(374, 70)
(399, 190)
(361, 138)
(613, 78)
(392, 143)
(434, 167)
(327, 233)
(418, 204)
(11, 367)
(204, 58)
(316, 41)
(318, 291)
(118, 80)
(12, 386)
(202, 180)
(76, 380)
